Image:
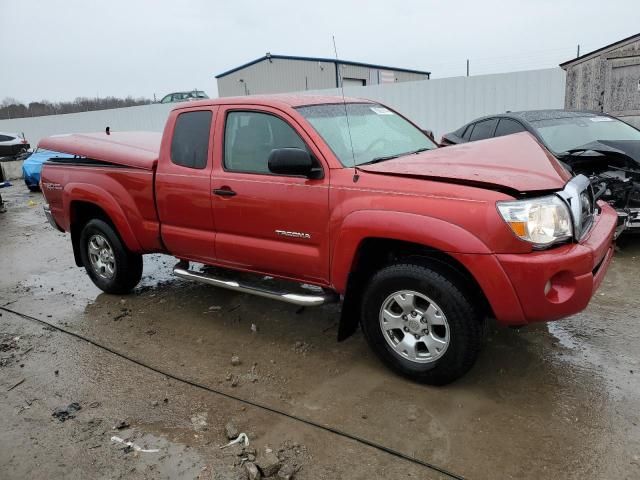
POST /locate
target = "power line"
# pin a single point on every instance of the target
(311, 423)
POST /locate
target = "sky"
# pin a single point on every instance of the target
(62, 49)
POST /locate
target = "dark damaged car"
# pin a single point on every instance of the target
(599, 146)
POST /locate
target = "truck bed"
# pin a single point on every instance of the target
(131, 149)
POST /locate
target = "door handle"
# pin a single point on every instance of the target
(224, 192)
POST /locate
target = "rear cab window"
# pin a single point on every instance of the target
(190, 142)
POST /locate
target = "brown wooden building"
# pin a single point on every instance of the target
(606, 80)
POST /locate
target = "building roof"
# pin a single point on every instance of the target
(319, 59)
(606, 47)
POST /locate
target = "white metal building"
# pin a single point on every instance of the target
(282, 73)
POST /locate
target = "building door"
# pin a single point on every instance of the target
(622, 86)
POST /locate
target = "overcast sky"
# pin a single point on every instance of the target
(61, 49)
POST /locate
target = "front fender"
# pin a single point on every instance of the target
(409, 227)
(113, 208)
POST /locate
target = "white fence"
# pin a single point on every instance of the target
(144, 117)
(440, 105)
(444, 104)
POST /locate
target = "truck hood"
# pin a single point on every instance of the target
(513, 163)
(131, 149)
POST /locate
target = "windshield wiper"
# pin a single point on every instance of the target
(391, 157)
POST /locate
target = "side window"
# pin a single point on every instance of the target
(190, 143)
(483, 129)
(249, 138)
(467, 132)
(4, 138)
(507, 127)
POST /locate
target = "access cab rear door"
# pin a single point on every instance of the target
(183, 184)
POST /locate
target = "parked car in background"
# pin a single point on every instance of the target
(422, 243)
(602, 147)
(184, 96)
(12, 144)
(32, 166)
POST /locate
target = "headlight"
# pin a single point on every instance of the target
(542, 221)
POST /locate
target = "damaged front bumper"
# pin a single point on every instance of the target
(559, 282)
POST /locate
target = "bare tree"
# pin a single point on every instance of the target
(13, 108)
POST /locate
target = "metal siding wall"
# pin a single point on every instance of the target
(278, 76)
(441, 105)
(145, 117)
(444, 104)
(353, 71)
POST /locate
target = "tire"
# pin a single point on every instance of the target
(111, 267)
(33, 188)
(448, 337)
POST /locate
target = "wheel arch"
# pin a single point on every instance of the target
(366, 236)
(82, 211)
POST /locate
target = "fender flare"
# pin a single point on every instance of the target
(101, 198)
(409, 227)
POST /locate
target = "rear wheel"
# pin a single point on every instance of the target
(421, 324)
(112, 267)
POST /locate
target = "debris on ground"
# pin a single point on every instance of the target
(132, 446)
(252, 471)
(16, 385)
(268, 463)
(231, 430)
(287, 471)
(242, 439)
(199, 421)
(65, 413)
(254, 328)
(235, 360)
(121, 425)
(124, 312)
(301, 347)
(8, 343)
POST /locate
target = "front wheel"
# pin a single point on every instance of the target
(111, 267)
(421, 324)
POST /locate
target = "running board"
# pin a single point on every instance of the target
(304, 300)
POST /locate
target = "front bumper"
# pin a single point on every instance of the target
(559, 282)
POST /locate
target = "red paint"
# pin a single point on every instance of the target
(443, 199)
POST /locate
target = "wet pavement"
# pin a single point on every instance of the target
(547, 401)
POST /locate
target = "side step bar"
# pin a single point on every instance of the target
(181, 270)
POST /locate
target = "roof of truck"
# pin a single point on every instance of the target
(288, 100)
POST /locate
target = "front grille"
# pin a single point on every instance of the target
(581, 201)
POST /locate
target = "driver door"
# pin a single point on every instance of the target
(274, 224)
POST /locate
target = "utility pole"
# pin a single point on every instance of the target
(467, 67)
(578, 52)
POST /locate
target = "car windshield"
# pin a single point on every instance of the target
(563, 134)
(377, 133)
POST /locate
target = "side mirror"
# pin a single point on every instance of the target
(291, 161)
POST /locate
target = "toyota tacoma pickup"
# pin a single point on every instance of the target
(349, 200)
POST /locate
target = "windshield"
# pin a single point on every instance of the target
(562, 134)
(376, 132)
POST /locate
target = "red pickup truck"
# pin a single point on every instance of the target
(350, 200)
